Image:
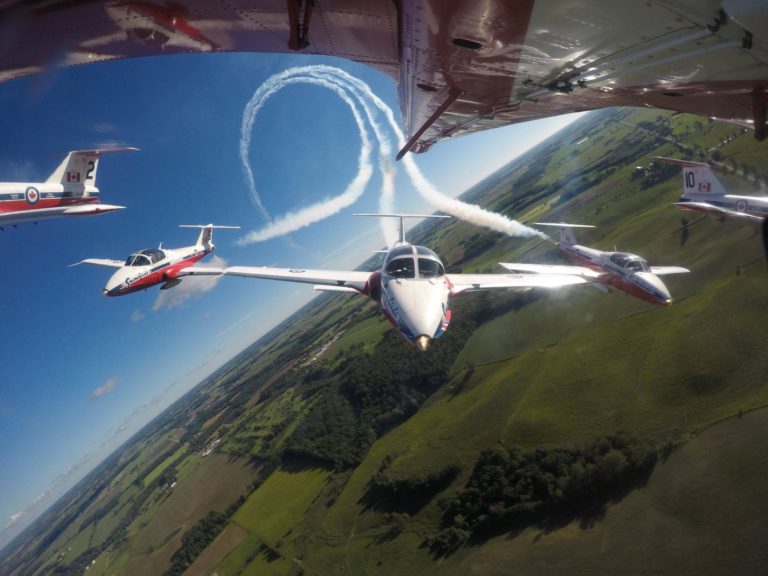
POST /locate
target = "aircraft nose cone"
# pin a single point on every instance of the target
(423, 342)
(106, 292)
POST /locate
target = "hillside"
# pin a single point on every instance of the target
(330, 446)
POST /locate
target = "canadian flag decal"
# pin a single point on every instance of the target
(705, 186)
(73, 176)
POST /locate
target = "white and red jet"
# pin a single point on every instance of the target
(621, 270)
(69, 191)
(704, 193)
(411, 286)
(146, 268)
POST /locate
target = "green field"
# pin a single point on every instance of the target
(704, 511)
(537, 371)
(280, 503)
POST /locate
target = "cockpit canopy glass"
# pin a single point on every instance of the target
(401, 263)
(630, 262)
(401, 267)
(429, 268)
(145, 257)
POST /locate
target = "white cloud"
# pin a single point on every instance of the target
(108, 386)
(13, 518)
(189, 288)
(137, 316)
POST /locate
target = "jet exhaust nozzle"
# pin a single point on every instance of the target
(423, 342)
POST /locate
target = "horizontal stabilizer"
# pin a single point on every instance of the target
(679, 162)
(402, 218)
(212, 226)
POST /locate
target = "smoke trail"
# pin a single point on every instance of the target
(346, 87)
(386, 167)
(471, 213)
(299, 219)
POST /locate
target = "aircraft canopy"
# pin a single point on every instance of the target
(630, 262)
(145, 257)
(401, 263)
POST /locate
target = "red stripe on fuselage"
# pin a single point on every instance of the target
(632, 289)
(21, 205)
(162, 275)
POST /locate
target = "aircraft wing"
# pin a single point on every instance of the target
(101, 262)
(474, 282)
(663, 270)
(456, 73)
(200, 271)
(551, 269)
(718, 212)
(356, 280)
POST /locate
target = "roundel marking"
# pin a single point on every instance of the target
(32, 195)
(741, 206)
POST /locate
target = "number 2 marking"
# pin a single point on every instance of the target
(90, 170)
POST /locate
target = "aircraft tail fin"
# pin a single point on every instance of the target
(698, 177)
(205, 239)
(79, 166)
(402, 219)
(567, 237)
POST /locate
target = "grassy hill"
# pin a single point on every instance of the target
(330, 446)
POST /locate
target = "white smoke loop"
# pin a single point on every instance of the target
(354, 92)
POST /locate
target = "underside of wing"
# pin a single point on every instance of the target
(102, 262)
(664, 270)
(474, 282)
(356, 280)
(551, 269)
(549, 58)
(456, 73)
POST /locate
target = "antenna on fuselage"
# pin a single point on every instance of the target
(402, 219)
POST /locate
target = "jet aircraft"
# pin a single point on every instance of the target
(461, 66)
(69, 191)
(621, 270)
(704, 193)
(146, 268)
(412, 286)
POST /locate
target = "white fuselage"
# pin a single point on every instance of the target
(30, 201)
(626, 272)
(752, 205)
(150, 267)
(414, 293)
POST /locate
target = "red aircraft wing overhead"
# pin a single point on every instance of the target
(462, 65)
(487, 64)
(43, 33)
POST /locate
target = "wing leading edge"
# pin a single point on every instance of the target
(356, 280)
(474, 282)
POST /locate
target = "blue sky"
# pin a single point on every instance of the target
(82, 372)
